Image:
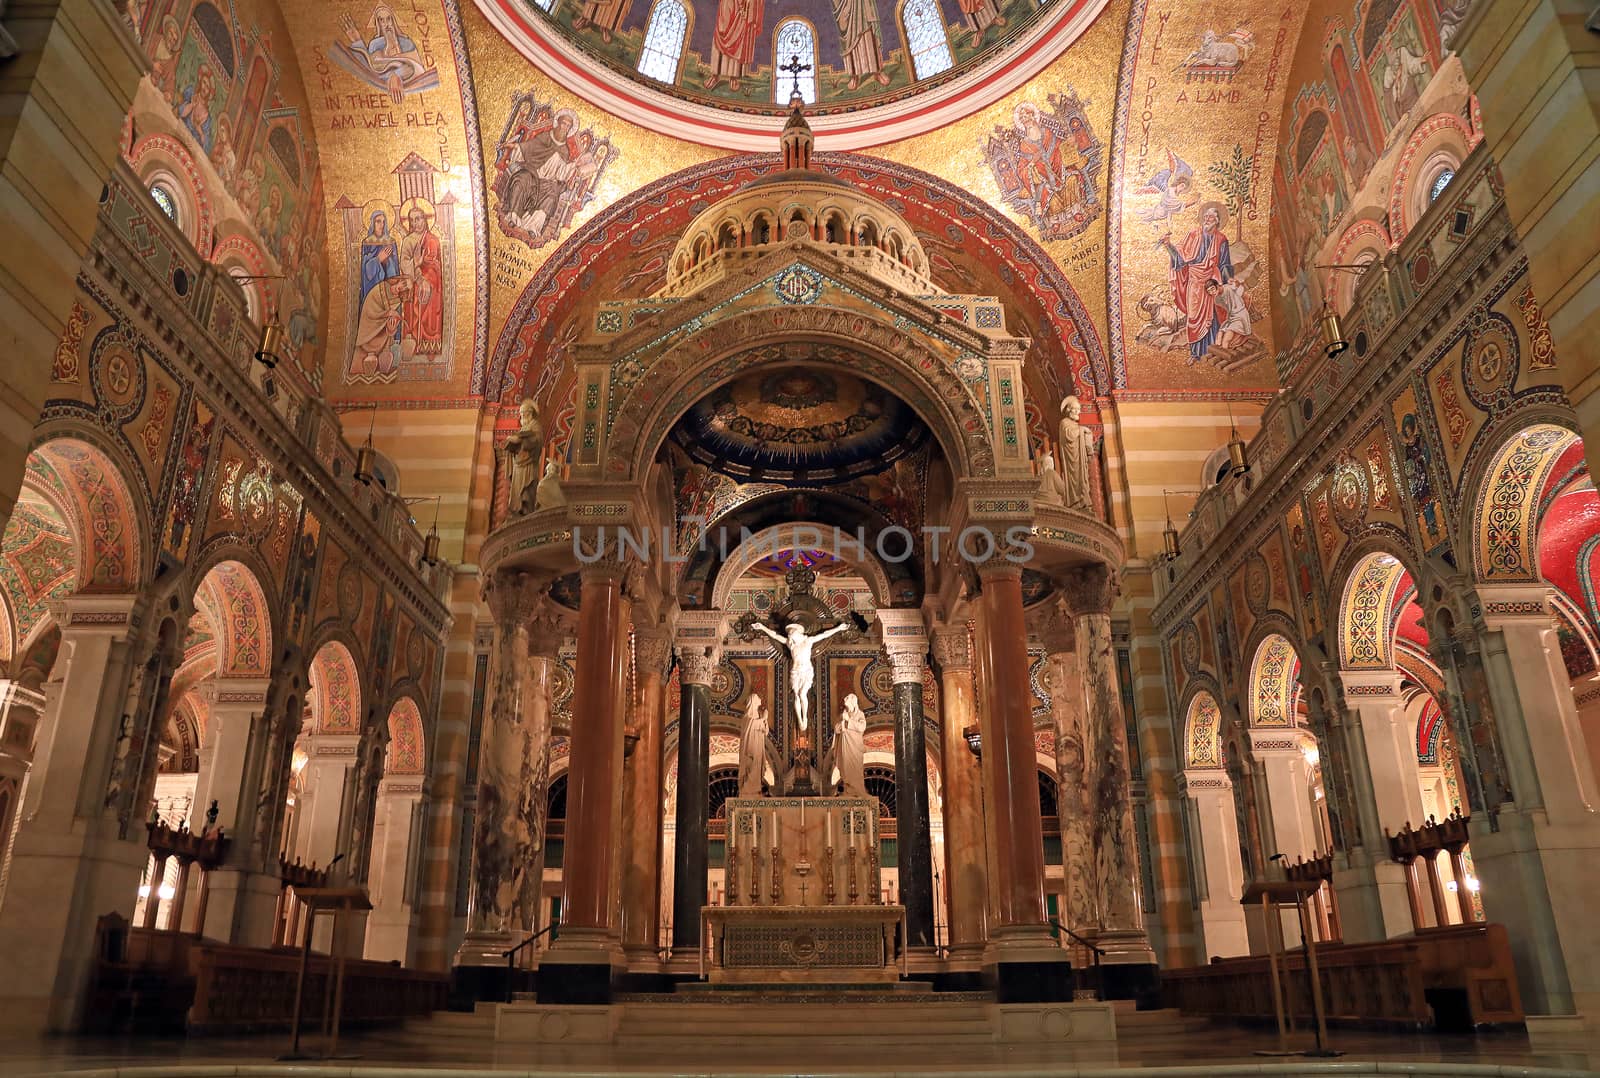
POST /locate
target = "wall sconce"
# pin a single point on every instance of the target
(1169, 534)
(273, 343)
(430, 542)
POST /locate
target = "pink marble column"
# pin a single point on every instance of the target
(965, 844)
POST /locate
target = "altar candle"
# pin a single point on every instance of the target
(830, 830)
(774, 829)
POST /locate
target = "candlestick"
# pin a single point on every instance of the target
(733, 867)
(850, 875)
(827, 874)
(777, 877)
(830, 831)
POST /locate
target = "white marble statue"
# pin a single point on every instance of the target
(548, 492)
(1052, 488)
(801, 671)
(1077, 453)
(523, 450)
(754, 748)
(849, 748)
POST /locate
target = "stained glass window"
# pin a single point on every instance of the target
(794, 45)
(1440, 182)
(546, 5)
(164, 199)
(663, 41)
(925, 34)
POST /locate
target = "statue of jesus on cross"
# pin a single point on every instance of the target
(801, 670)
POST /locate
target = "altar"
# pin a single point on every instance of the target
(803, 895)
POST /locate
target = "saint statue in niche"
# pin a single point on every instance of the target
(754, 748)
(802, 672)
(848, 754)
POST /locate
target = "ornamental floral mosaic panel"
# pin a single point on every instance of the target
(404, 754)
(1364, 635)
(1506, 519)
(337, 695)
(38, 563)
(1273, 682)
(1202, 739)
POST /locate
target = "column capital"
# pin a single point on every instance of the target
(1275, 744)
(1088, 590)
(514, 596)
(697, 663)
(1515, 604)
(247, 692)
(1206, 780)
(952, 648)
(1370, 686)
(652, 651)
(116, 616)
(905, 667)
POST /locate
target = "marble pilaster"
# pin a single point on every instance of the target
(396, 830)
(69, 840)
(1073, 803)
(965, 844)
(1214, 843)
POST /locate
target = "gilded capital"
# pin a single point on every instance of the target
(906, 666)
(1089, 590)
(696, 663)
(652, 652)
(514, 597)
(952, 648)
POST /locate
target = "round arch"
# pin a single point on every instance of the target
(336, 691)
(1274, 682)
(1504, 502)
(240, 615)
(108, 515)
(406, 753)
(1202, 730)
(1368, 607)
(845, 341)
(770, 540)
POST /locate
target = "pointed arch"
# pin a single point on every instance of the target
(1202, 732)
(335, 691)
(239, 618)
(1505, 503)
(406, 753)
(1274, 683)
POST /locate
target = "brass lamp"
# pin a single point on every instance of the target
(1238, 458)
(272, 345)
(366, 456)
(1333, 341)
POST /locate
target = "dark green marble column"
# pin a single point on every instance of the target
(913, 841)
(694, 765)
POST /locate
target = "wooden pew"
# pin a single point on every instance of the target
(1454, 977)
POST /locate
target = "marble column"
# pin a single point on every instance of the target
(982, 678)
(965, 844)
(1536, 867)
(689, 884)
(1087, 595)
(1388, 795)
(641, 884)
(914, 841)
(589, 947)
(68, 844)
(1214, 844)
(1073, 804)
(1029, 966)
(507, 857)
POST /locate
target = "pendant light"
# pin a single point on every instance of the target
(1238, 459)
(430, 542)
(1169, 534)
(271, 346)
(366, 456)
(1333, 341)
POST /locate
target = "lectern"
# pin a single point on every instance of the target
(1273, 894)
(334, 901)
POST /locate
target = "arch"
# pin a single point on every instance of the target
(927, 41)
(661, 55)
(1444, 131)
(406, 753)
(335, 693)
(1367, 610)
(240, 257)
(1505, 503)
(159, 156)
(794, 37)
(1274, 682)
(105, 512)
(38, 563)
(240, 618)
(768, 540)
(1202, 731)
(850, 342)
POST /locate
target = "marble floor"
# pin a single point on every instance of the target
(463, 1046)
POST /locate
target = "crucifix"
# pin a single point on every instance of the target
(794, 67)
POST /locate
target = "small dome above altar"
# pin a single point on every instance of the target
(800, 203)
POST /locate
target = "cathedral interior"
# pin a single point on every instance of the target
(685, 536)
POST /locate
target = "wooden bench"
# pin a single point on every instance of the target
(1459, 977)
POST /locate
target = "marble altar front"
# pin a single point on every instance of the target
(803, 895)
